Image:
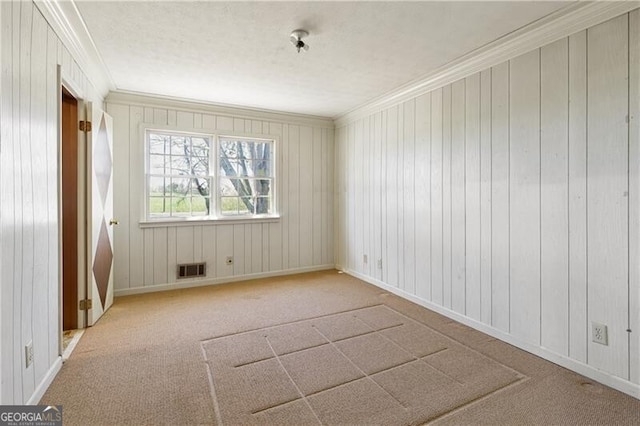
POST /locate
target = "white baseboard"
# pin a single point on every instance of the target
(222, 280)
(46, 382)
(600, 376)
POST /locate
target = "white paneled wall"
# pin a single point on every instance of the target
(301, 240)
(507, 198)
(29, 285)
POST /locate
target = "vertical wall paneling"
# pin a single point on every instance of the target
(160, 116)
(316, 146)
(458, 199)
(29, 226)
(160, 255)
(276, 229)
(524, 196)
(247, 257)
(209, 254)
(391, 262)
(340, 189)
(39, 158)
(25, 199)
(238, 251)
(367, 213)
(355, 172)
(607, 192)
(409, 188)
(500, 182)
(293, 204)
(437, 217)
(10, 269)
(377, 197)
(148, 257)
(472, 194)
(510, 198)
(172, 118)
(184, 244)
(257, 249)
(634, 194)
(447, 202)
(331, 187)
(197, 244)
(6, 213)
(225, 242)
(151, 254)
(171, 262)
(306, 163)
(486, 281)
(423, 196)
(578, 331)
(554, 201)
(136, 180)
(400, 154)
(52, 193)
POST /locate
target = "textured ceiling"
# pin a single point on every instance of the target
(239, 52)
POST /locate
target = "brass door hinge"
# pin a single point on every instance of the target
(85, 126)
(86, 304)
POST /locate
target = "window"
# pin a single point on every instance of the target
(182, 181)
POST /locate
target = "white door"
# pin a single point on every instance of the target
(99, 212)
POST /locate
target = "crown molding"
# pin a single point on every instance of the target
(569, 20)
(66, 21)
(159, 101)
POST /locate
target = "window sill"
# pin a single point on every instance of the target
(197, 221)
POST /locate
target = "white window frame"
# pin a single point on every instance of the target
(215, 215)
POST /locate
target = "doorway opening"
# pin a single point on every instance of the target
(69, 218)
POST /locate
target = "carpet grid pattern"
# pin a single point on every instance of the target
(371, 365)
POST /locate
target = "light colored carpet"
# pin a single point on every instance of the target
(304, 349)
(364, 366)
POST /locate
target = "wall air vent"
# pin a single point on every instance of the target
(192, 270)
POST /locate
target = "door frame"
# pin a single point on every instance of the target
(65, 80)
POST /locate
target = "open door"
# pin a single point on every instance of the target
(100, 212)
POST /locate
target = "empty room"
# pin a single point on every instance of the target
(319, 212)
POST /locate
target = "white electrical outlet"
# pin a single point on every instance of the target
(229, 260)
(599, 333)
(365, 259)
(28, 354)
(379, 263)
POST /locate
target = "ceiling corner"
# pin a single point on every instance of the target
(66, 21)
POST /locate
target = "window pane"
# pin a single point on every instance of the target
(200, 146)
(262, 150)
(178, 144)
(180, 184)
(201, 186)
(261, 187)
(179, 187)
(159, 206)
(228, 149)
(181, 206)
(229, 167)
(157, 186)
(263, 205)
(262, 168)
(199, 205)
(227, 188)
(246, 205)
(158, 144)
(158, 165)
(229, 205)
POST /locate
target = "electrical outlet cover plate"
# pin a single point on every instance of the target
(28, 354)
(599, 333)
